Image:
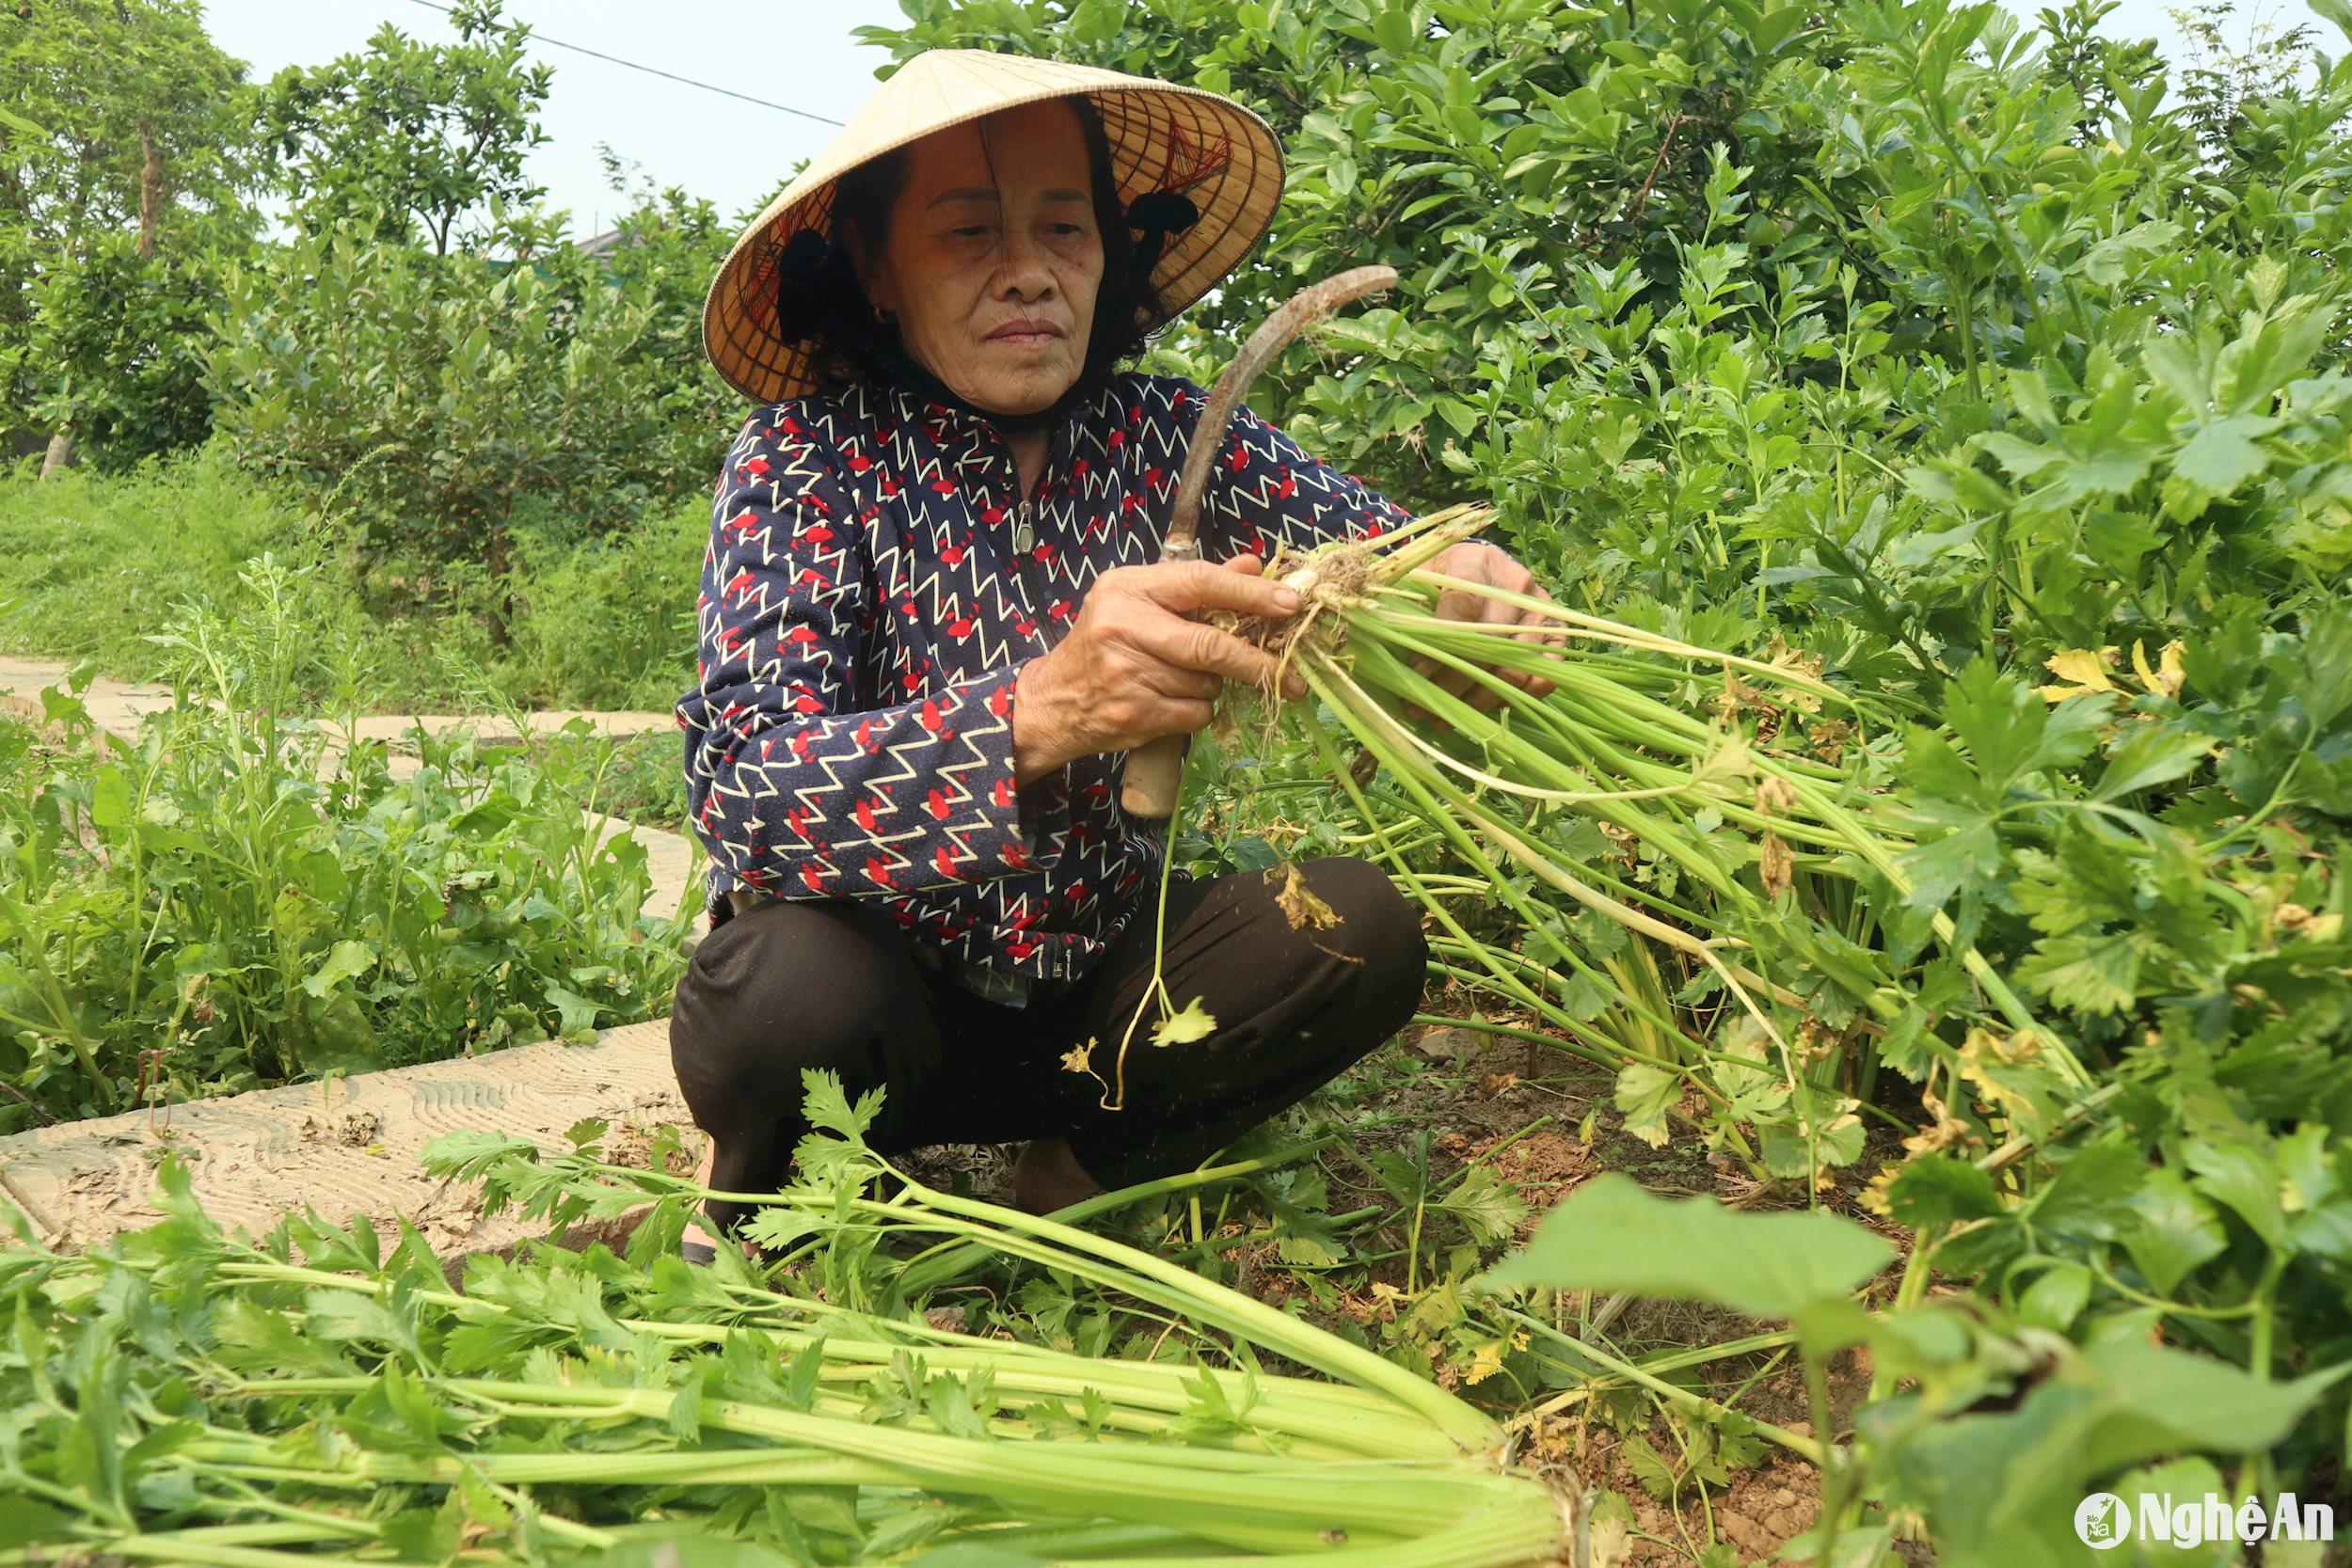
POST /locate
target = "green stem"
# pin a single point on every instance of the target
(950, 1261)
(1181, 1290)
(1795, 1442)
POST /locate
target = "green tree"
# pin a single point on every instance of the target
(1489, 149)
(129, 158)
(415, 137)
(429, 358)
(454, 405)
(2219, 77)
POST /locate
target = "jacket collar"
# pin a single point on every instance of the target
(933, 404)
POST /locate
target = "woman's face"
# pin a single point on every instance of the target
(993, 256)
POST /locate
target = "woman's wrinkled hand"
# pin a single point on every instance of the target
(1474, 560)
(1134, 668)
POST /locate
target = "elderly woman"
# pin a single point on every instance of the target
(933, 624)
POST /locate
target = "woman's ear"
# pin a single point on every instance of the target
(873, 275)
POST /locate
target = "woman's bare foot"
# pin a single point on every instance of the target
(1048, 1177)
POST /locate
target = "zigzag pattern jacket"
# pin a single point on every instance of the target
(874, 581)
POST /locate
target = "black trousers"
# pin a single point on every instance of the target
(785, 987)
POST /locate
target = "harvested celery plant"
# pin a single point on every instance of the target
(182, 1397)
(1731, 846)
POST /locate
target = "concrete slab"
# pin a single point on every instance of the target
(347, 1147)
(673, 860)
(395, 729)
(114, 707)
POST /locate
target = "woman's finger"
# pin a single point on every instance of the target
(1460, 604)
(1543, 633)
(1192, 645)
(1446, 678)
(1473, 561)
(1426, 668)
(1184, 586)
(1176, 682)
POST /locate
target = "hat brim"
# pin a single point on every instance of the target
(1225, 158)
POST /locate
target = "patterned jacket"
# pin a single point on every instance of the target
(872, 585)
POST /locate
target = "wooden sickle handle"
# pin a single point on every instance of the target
(1156, 768)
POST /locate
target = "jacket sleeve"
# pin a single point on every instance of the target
(800, 781)
(1265, 492)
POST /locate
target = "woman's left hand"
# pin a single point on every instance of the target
(1474, 560)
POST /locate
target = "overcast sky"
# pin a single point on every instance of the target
(798, 53)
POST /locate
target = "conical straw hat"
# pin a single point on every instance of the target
(1226, 159)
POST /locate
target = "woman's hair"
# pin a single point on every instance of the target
(821, 303)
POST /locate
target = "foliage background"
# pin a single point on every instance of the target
(475, 424)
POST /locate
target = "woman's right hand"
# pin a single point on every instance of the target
(1134, 669)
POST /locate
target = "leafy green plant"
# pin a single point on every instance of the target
(1983, 398)
(131, 167)
(121, 337)
(2142, 1132)
(609, 622)
(243, 896)
(595, 621)
(82, 540)
(409, 137)
(2001, 1428)
(1631, 817)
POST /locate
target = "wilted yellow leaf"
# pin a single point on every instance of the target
(2167, 675)
(1485, 1361)
(1983, 1057)
(1737, 694)
(1193, 1024)
(2084, 671)
(1776, 866)
(1299, 903)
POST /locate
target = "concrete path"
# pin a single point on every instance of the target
(349, 1147)
(115, 706)
(396, 728)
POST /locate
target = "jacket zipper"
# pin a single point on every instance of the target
(1025, 540)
